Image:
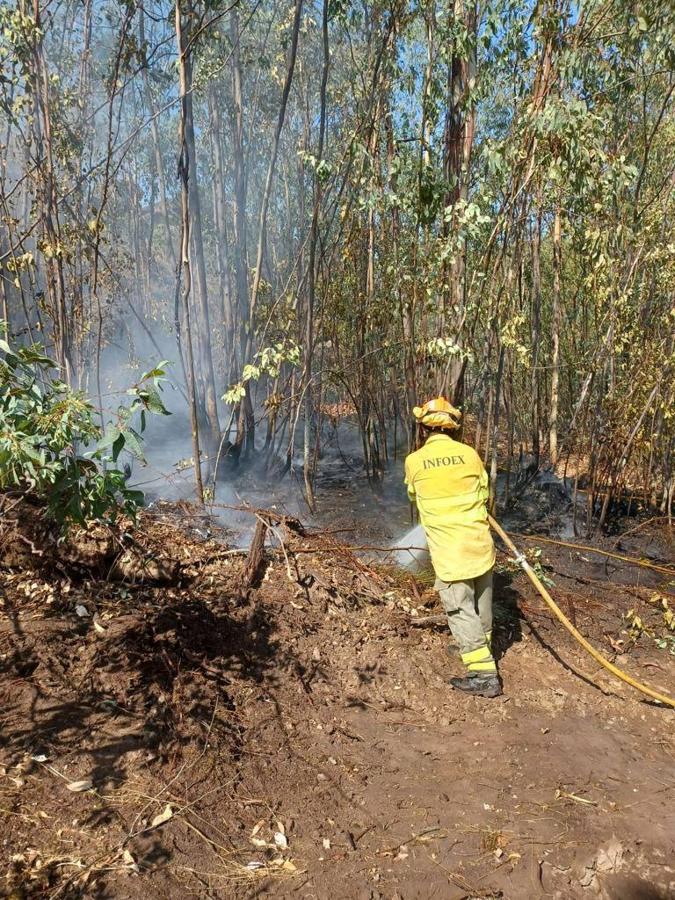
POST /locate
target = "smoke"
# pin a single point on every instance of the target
(411, 549)
(362, 513)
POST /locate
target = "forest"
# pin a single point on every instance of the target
(343, 208)
(240, 242)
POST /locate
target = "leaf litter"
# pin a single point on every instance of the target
(315, 701)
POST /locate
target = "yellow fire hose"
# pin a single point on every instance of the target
(558, 613)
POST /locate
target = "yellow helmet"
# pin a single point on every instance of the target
(438, 413)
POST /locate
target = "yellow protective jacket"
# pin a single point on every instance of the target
(448, 482)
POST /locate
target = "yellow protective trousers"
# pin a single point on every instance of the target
(468, 605)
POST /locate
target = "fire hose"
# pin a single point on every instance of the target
(562, 618)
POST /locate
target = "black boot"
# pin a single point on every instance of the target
(482, 685)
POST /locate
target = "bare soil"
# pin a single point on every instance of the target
(299, 738)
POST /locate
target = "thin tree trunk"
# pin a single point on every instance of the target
(157, 148)
(536, 338)
(220, 224)
(51, 227)
(555, 339)
(207, 397)
(184, 173)
(311, 275)
(262, 226)
(404, 305)
(239, 228)
(495, 431)
(460, 128)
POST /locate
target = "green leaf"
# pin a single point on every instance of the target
(157, 372)
(118, 446)
(154, 403)
(133, 444)
(111, 435)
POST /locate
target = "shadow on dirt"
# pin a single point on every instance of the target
(157, 678)
(507, 616)
(508, 619)
(508, 626)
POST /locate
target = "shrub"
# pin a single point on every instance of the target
(46, 428)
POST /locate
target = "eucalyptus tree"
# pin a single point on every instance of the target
(340, 205)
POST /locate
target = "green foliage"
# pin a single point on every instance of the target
(662, 633)
(454, 137)
(535, 560)
(145, 394)
(268, 361)
(43, 426)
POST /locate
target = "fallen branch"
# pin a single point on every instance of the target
(427, 621)
(631, 560)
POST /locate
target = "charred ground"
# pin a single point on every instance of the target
(298, 737)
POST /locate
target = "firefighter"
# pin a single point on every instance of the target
(449, 484)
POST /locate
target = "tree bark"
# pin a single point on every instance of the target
(536, 337)
(495, 431)
(555, 339)
(460, 126)
(220, 225)
(48, 200)
(239, 243)
(206, 394)
(157, 149)
(311, 275)
(184, 174)
(262, 225)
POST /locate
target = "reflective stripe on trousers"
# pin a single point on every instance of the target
(468, 605)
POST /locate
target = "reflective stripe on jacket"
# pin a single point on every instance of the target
(448, 482)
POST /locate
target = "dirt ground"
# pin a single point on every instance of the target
(194, 739)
